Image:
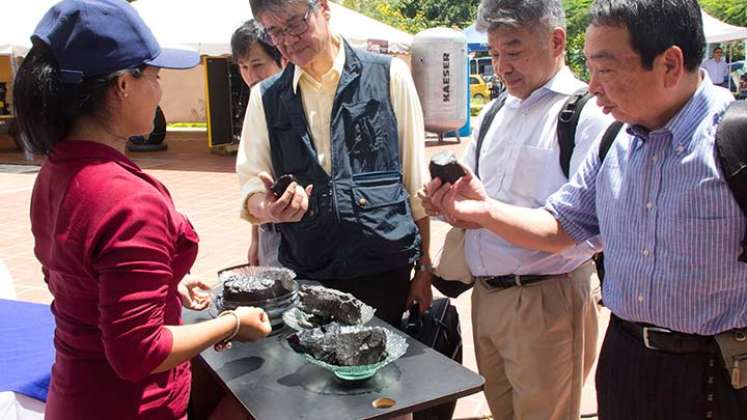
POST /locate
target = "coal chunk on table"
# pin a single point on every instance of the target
(342, 345)
(251, 289)
(330, 304)
(445, 165)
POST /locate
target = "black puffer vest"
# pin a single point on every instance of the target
(359, 220)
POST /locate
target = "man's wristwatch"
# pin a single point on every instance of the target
(424, 266)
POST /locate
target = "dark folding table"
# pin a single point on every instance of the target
(274, 382)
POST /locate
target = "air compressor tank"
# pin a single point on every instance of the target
(439, 69)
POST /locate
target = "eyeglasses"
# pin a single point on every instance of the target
(295, 29)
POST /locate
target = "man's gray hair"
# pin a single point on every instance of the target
(520, 14)
(278, 6)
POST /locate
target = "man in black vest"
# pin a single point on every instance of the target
(348, 126)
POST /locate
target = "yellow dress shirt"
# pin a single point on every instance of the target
(254, 150)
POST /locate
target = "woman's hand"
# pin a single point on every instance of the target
(194, 294)
(255, 323)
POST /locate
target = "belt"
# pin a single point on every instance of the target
(511, 280)
(663, 339)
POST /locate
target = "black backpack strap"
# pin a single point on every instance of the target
(567, 124)
(608, 138)
(731, 149)
(486, 121)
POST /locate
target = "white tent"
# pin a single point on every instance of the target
(199, 24)
(207, 26)
(18, 23)
(362, 31)
(717, 31)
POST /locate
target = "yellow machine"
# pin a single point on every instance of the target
(6, 85)
(226, 97)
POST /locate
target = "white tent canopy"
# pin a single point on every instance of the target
(717, 31)
(205, 26)
(18, 23)
(361, 30)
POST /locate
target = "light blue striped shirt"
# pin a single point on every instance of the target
(670, 226)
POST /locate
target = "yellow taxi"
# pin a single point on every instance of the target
(478, 87)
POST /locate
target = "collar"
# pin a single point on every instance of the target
(71, 149)
(685, 122)
(563, 82)
(337, 67)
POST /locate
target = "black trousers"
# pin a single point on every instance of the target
(634, 382)
(386, 292)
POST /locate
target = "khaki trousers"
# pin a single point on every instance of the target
(536, 344)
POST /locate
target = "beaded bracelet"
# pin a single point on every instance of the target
(225, 344)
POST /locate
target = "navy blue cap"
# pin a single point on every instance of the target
(90, 38)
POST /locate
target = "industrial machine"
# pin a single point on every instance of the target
(6, 83)
(226, 98)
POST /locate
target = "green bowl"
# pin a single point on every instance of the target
(396, 346)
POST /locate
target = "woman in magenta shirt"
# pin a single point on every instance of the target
(113, 248)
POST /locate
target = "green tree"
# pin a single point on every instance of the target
(733, 12)
(449, 13)
(416, 15)
(576, 12)
(389, 12)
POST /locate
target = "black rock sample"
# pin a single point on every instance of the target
(281, 184)
(330, 304)
(318, 342)
(237, 289)
(342, 345)
(365, 346)
(445, 165)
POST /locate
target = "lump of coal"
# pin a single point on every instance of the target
(281, 184)
(445, 165)
(309, 321)
(239, 289)
(330, 304)
(342, 345)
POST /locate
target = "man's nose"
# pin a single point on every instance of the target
(595, 88)
(502, 66)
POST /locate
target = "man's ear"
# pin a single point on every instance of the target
(324, 9)
(558, 41)
(672, 61)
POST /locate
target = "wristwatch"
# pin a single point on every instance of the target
(423, 266)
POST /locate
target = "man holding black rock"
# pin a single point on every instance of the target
(534, 317)
(347, 125)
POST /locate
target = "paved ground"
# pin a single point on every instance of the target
(205, 188)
